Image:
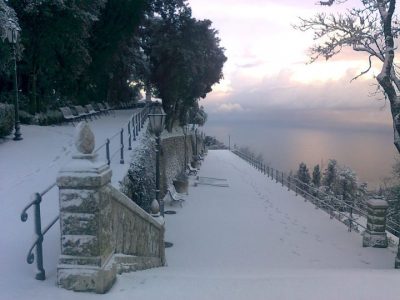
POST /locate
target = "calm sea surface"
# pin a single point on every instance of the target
(370, 154)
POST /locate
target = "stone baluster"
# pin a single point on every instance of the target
(85, 262)
(375, 234)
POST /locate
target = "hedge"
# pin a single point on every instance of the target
(6, 119)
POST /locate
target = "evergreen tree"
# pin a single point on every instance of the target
(303, 175)
(330, 175)
(316, 176)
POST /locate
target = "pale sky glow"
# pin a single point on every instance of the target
(267, 63)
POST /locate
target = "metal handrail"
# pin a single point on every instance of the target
(38, 244)
(312, 193)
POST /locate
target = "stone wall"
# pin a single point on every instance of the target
(135, 232)
(172, 158)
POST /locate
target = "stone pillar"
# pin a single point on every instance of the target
(375, 234)
(85, 262)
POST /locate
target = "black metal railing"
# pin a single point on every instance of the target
(134, 126)
(39, 234)
(353, 215)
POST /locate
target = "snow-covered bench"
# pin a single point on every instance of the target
(67, 114)
(175, 196)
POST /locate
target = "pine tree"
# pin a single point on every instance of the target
(316, 176)
(330, 174)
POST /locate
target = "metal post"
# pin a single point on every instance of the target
(17, 133)
(108, 151)
(122, 146)
(41, 275)
(137, 124)
(160, 201)
(351, 219)
(276, 176)
(184, 136)
(134, 131)
(130, 136)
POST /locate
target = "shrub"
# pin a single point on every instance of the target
(26, 118)
(49, 118)
(139, 183)
(6, 119)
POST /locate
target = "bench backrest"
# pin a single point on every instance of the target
(66, 111)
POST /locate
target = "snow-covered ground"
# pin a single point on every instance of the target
(251, 240)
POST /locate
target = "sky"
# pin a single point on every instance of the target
(267, 75)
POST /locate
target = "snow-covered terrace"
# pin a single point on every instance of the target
(251, 240)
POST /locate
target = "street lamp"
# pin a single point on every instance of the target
(12, 31)
(156, 125)
(185, 132)
(195, 135)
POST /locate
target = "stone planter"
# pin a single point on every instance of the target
(181, 185)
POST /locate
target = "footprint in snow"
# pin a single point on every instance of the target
(296, 253)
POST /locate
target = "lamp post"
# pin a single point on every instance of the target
(12, 36)
(195, 136)
(185, 131)
(156, 125)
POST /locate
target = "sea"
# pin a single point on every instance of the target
(370, 153)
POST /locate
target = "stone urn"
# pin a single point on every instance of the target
(181, 183)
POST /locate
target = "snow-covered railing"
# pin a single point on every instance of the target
(353, 215)
(134, 125)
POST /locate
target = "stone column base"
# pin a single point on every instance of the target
(375, 239)
(87, 279)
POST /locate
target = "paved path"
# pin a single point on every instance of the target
(255, 239)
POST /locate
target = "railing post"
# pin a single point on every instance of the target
(129, 136)
(282, 178)
(108, 151)
(276, 176)
(288, 185)
(137, 124)
(121, 161)
(272, 174)
(295, 187)
(351, 219)
(41, 275)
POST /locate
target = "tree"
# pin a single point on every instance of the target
(304, 176)
(346, 185)
(7, 15)
(112, 48)
(316, 176)
(371, 29)
(330, 175)
(185, 60)
(54, 35)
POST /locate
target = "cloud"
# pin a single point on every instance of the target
(229, 107)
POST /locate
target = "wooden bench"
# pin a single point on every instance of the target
(175, 196)
(108, 107)
(91, 110)
(82, 113)
(68, 115)
(191, 170)
(102, 108)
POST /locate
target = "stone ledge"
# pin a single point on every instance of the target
(129, 263)
(84, 279)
